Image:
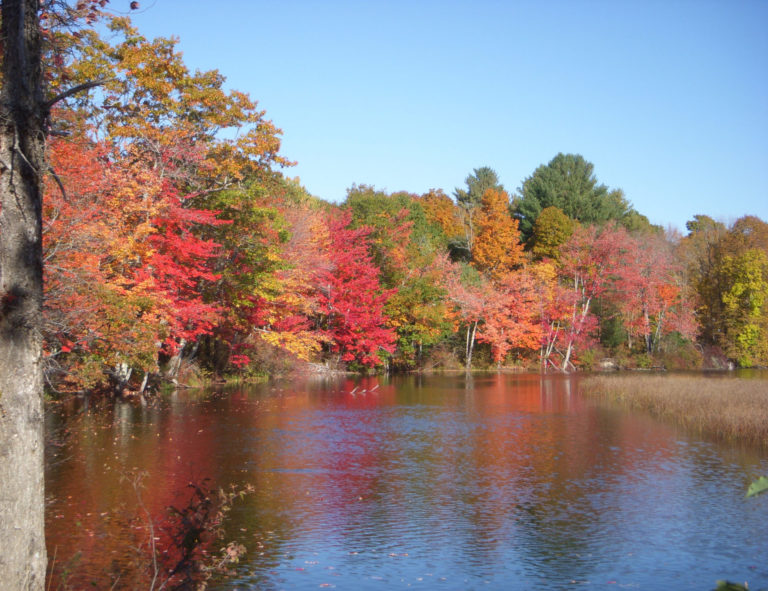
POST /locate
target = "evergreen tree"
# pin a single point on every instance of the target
(568, 182)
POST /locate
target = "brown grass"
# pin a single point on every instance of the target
(723, 407)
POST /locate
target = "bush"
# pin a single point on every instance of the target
(680, 353)
(441, 356)
(589, 359)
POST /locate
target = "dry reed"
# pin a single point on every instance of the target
(723, 407)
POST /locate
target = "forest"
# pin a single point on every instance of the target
(178, 248)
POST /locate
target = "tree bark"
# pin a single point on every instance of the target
(22, 141)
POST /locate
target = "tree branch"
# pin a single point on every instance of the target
(74, 90)
(55, 176)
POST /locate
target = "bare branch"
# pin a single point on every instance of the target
(74, 90)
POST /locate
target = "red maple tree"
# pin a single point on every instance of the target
(351, 301)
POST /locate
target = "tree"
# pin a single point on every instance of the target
(746, 233)
(442, 213)
(746, 307)
(512, 320)
(589, 262)
(287, 319)
(95, 314)
(350, 299)
(392, 221)
(651, 294)
(744, 268)
(151, 99)
(419, 314)
(701, 250)
(552, 229)
(24, 119)
(469, 292)
(153, 109)
(407, 241)
(496, 248)
(469, 199)
(125, 266)
(727, 274)
(246, 266)
(568, 182)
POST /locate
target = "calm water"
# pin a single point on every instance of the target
(497, 481)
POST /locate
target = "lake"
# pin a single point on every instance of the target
(488, 481)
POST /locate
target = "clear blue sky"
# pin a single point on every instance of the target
(668, 98)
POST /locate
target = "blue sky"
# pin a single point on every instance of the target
(668, 99)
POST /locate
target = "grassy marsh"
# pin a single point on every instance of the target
(734, 409)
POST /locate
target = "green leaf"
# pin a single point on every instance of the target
(728, 586)
(758, 486)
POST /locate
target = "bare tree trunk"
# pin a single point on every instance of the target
(174, 363)
(470, 344)
(549, 347)
(579, 318)
(22, 139)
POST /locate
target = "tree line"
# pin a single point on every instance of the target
(173, 238)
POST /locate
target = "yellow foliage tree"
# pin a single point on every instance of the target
(552, 229)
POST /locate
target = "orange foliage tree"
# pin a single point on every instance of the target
(496, 249)
(442, 211)
(512, 315)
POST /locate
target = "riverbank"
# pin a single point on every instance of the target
(733, 409)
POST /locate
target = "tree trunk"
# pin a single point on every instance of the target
(648, 335)
(121, 375)
(171, 369)
(549, 347)
(657, 333)
(22, 139)
(567, 358)
(470, 344)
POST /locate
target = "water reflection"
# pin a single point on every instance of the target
(451, 481)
